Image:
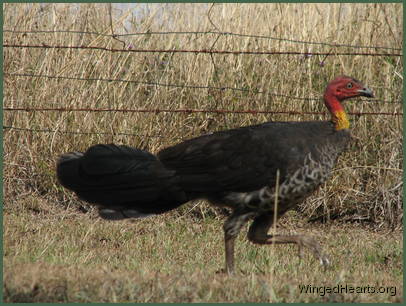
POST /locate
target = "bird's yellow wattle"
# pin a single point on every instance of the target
(340, 120)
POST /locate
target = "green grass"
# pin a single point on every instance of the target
(59, 255)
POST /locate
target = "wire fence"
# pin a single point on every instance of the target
(156, 111)
(154, 84)
(390, 52)
(187, 110)
(197, 33)
(197, 51)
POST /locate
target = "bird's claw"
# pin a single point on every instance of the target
(314, 247)
(225, 271)
(324, 261)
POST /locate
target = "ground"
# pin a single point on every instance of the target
(54, 254)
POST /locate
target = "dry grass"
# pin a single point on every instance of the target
(366, 185)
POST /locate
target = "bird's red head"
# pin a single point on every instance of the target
(341, 88)
(344, 87)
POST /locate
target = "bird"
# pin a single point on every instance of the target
(259, 172)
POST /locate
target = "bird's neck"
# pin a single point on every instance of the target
(338, 114)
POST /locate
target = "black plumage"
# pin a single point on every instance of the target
(236, 168)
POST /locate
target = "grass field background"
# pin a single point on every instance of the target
(57, 249)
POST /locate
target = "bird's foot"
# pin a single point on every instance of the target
(225, 271)
(314, 247)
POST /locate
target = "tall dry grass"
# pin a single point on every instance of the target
(367, 183)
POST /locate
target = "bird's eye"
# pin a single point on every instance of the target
(349, 85)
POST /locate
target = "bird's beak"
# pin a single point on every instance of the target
(366, 92)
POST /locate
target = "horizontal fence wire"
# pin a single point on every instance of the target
(220, 88)
(197, 51)
(201, 33)
(7, 127)
(188, 111)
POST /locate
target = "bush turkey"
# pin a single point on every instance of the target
(243, 169)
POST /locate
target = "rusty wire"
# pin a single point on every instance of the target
(221, 88)
(186, 110)
(233, 52)
(219, 33)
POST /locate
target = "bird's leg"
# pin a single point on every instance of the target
(258, 233)
(232, 227)
(229, 244)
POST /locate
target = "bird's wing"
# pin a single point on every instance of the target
(238, 160)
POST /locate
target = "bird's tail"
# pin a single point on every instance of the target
(124, 182)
